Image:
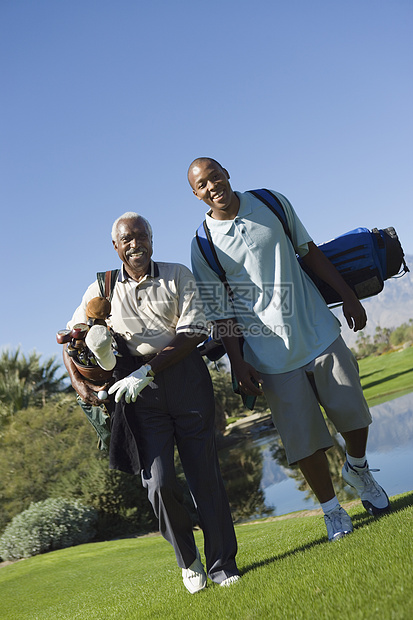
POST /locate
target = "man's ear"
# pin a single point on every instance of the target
(115, 245)
(227, 173)
(195, 194)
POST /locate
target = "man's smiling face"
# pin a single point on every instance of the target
(134, 246)
(210, 183)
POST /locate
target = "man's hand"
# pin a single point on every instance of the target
(246, 375)
(89, 391)
(131, 385)
(84, 388)
(354, 313)
(248, 378)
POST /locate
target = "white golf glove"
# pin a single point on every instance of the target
(132, 385)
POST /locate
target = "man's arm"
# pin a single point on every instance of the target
(229, 332)
(191, 328)
(86, 390)
(352, 309)
(131, 386)
(180, 346)
(216, 297)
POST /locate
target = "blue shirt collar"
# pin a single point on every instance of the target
(224, 226)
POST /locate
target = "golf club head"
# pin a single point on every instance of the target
(64, 335)
(79, 331)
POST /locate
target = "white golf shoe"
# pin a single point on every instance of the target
(194, 577)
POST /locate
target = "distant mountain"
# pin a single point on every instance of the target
(390, 308)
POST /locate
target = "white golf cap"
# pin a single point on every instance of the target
(99, 342)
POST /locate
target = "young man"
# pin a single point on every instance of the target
(291, 341)
(157, 310)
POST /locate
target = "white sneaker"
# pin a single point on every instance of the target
(338, 524)
(373, 497)
(194, 577)
(230, 580)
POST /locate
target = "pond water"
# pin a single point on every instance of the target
(259, 481)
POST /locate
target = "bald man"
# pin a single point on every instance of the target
(291, 342)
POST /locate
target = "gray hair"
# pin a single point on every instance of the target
(130, 215)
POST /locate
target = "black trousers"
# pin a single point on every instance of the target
(181, 409)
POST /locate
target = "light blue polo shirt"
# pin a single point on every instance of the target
(285, 320)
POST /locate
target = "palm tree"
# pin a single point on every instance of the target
(25, 381)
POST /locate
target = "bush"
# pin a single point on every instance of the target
(60, 433)
(402, 334)
(120, 500)
(46, 526)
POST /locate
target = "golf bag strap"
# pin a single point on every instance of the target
(274, 204)
(107, 281)
(207, 249)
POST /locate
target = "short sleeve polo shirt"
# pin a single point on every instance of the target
(149, 313)
(285, 320)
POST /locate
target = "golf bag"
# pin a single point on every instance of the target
(364, 258)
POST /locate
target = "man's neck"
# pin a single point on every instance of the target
(227, 213)
(135, 275)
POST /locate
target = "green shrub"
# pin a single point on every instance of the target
(46, 526)
(402, 334)
(120, 500)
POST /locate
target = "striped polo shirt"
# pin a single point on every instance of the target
(149, 313)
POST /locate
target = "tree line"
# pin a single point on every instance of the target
(384, 339)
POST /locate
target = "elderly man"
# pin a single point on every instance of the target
(292, 343)
(163, 394)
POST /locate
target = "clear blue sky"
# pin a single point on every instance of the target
(104, 104)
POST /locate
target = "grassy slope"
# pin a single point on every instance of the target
(289, 571)
(387, 376)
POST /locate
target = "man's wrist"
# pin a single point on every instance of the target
(149, 371)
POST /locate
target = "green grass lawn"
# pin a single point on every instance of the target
(387, 376)
(289, 571)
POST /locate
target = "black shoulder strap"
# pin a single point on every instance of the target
(107, 281)
(274, 204)
(207, 249)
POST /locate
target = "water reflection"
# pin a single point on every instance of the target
(242, 469)
(259, 481)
